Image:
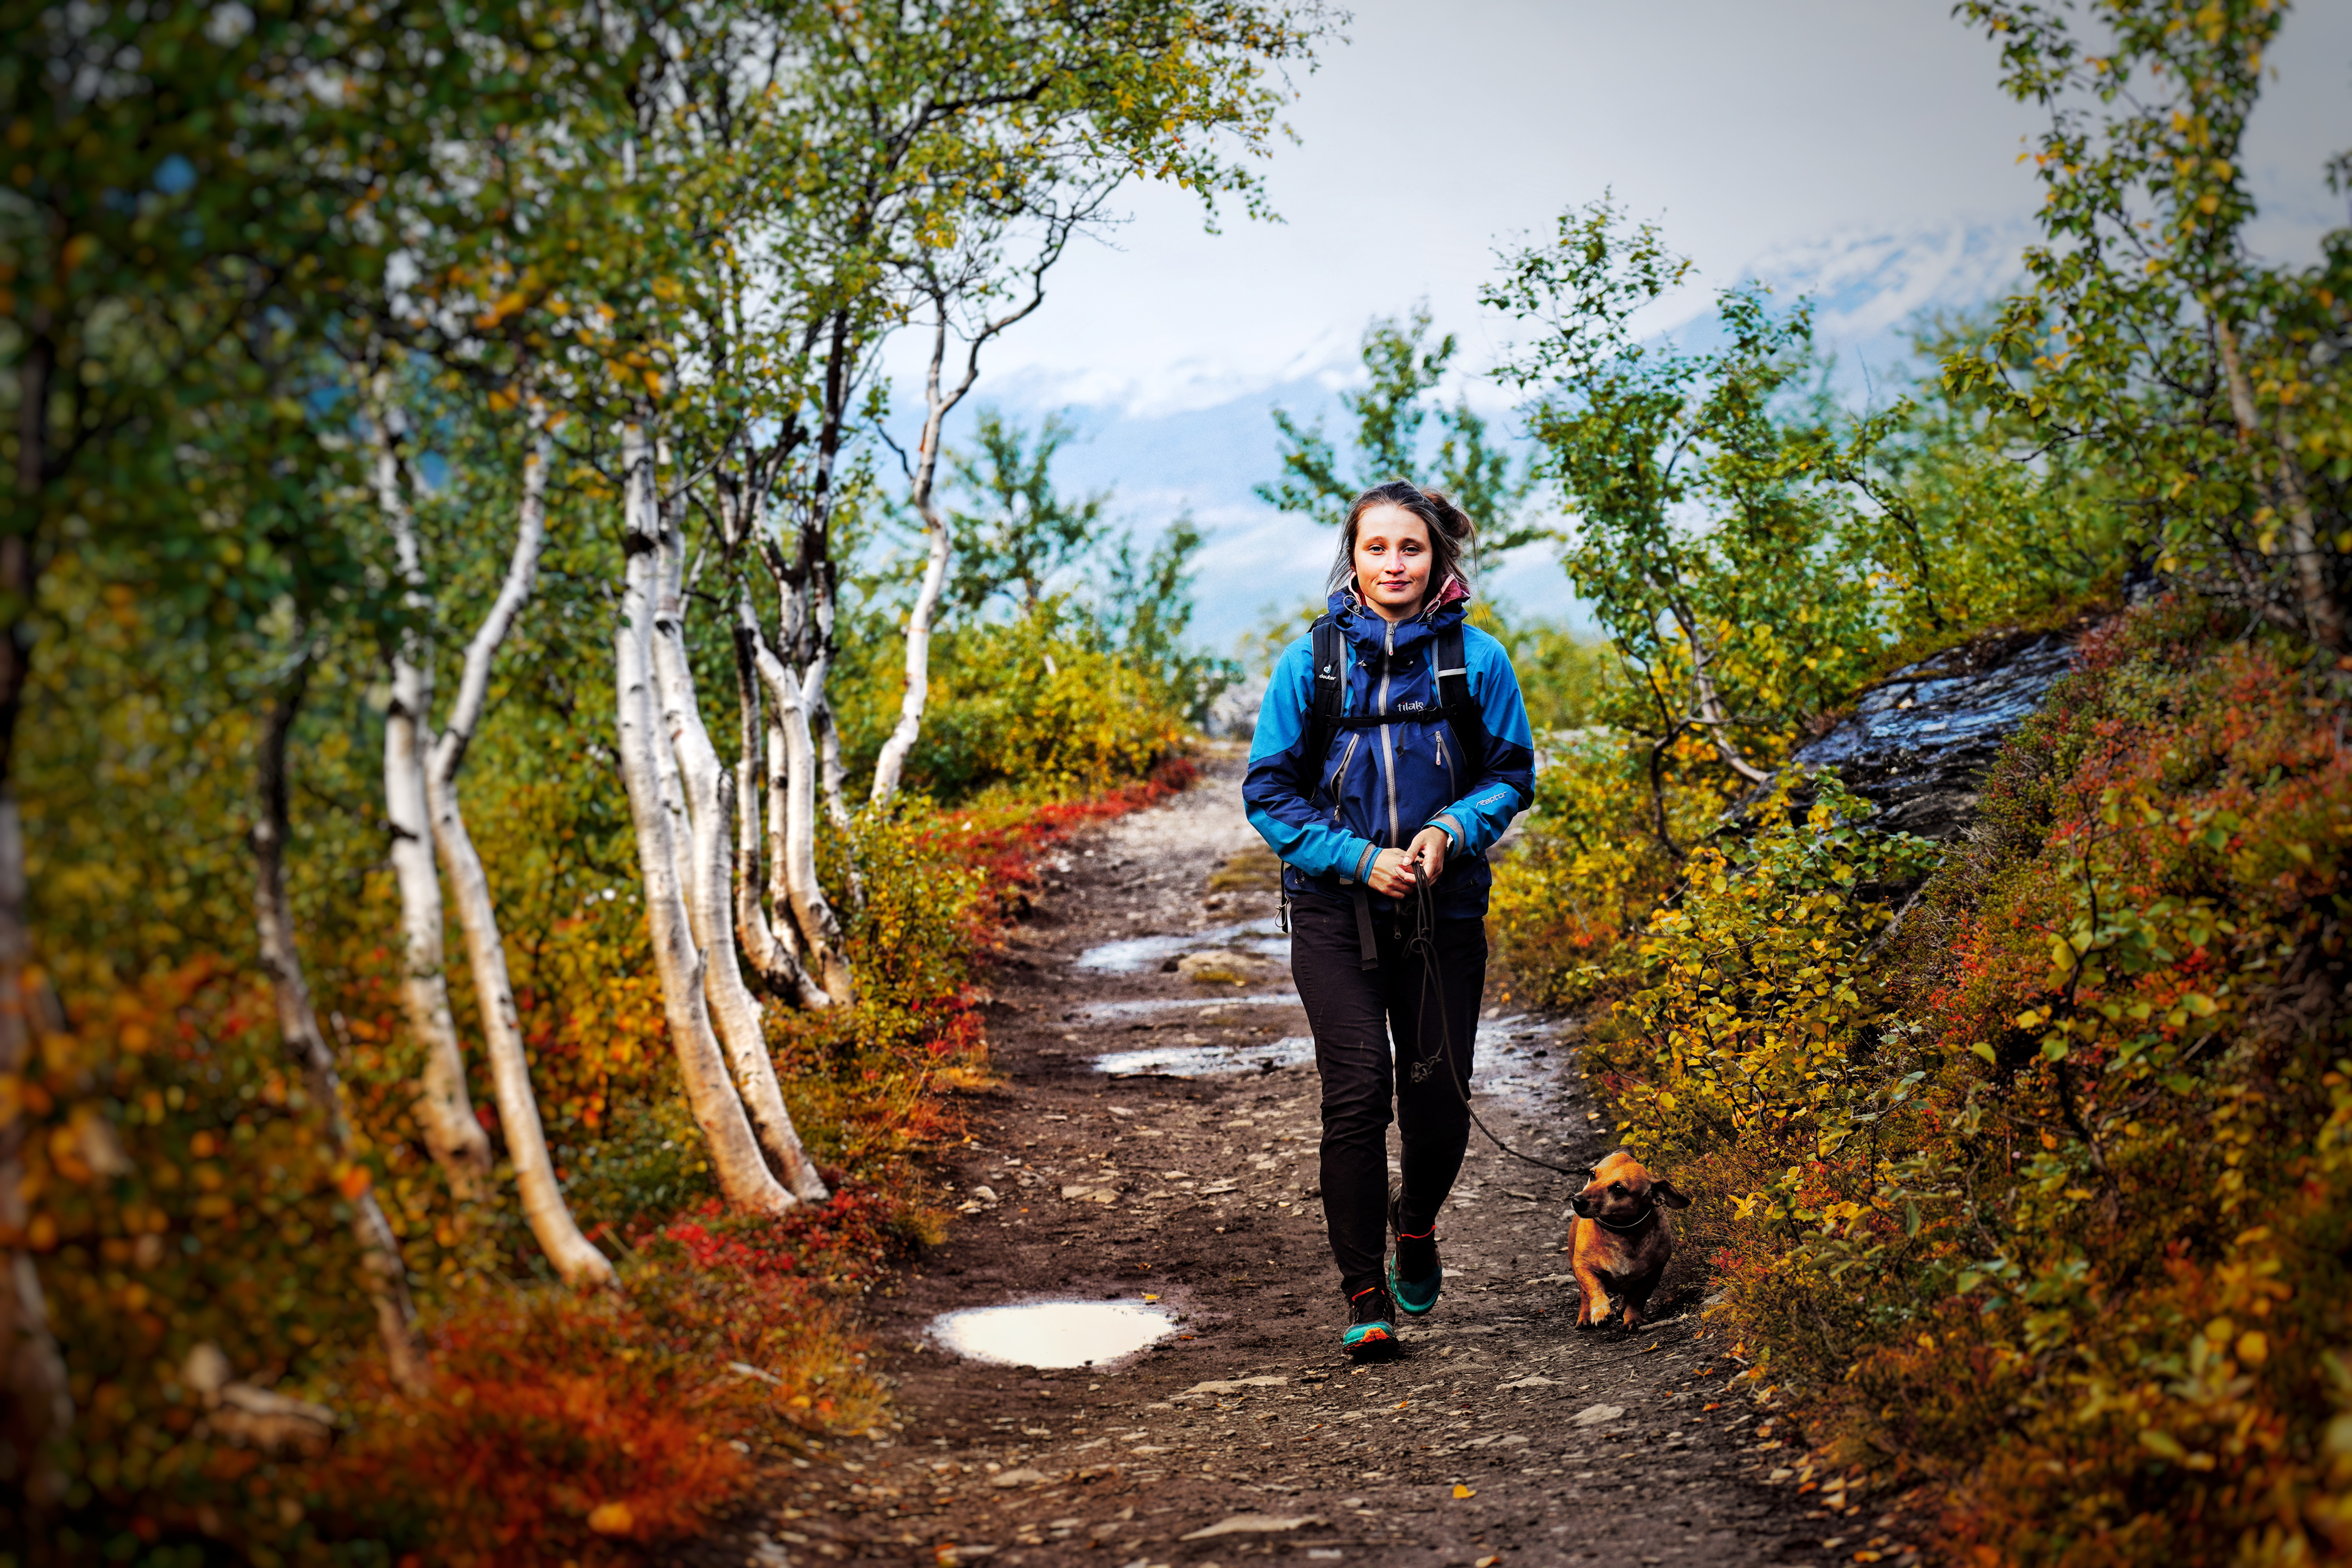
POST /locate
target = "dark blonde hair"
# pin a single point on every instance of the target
(1452, 535)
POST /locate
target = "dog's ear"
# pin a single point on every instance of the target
(1664, 1192)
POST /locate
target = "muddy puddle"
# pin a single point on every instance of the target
(1136, 954)
(1051, 1333)
(1110, 1012)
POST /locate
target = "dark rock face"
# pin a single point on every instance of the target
(1918, 744)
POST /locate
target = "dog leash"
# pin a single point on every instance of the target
(1423, 943)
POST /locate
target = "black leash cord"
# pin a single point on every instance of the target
(1423, 942)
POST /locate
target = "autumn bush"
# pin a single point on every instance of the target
(1594, 861)
(2042, 1193)
(1038, 704)
(228, 1224)
(567, 1427)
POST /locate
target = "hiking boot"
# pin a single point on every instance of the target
(1415, 1275)
(1371, 1320)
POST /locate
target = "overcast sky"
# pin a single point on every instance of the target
(1442, 126)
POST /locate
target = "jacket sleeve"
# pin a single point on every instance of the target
(1278, 791)
(1506, 785)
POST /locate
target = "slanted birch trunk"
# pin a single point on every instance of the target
(37, 1405)
(891, 765)
(709, 796)
(443, 1109)
(938, 401)
(36, 1401)
(791, 819)
(575, 1258)
(297, 1024)
(2322, 619)
(1710, 715)
(743, 1175)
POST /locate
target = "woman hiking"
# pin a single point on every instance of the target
(1392, 750)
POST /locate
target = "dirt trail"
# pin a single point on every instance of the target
(1201, 1191)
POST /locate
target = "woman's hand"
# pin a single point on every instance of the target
(1429, 846)
(1391, 873)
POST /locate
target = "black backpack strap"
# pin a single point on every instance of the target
(1323, 719)
(1460, 706)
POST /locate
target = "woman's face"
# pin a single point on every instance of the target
(1393, 559)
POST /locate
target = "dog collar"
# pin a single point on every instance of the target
(1648, 1215)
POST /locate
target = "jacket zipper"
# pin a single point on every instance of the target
(1388, 735)
(1340, 774)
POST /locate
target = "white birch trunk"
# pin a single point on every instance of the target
(792, 808)
(710, 885)
(773, 948)
(575, 1258)
(297, 1024)
(444, 1108)
(892, 764)
(743, 1175)
(1708, 703)
(36, 1396)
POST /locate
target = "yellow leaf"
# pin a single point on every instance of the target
(1461, 1491)
(611, 1518)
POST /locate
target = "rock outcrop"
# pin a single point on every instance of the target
(1918, 742)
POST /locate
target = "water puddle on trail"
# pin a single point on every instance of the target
(1051, 1333)
(1136, 953)
(1104, 1012)
(1506, 1065)
(1208, 1060)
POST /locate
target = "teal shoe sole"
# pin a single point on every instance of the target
(1414, 1297)
(1358, 1335)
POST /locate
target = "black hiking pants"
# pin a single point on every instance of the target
(1355, 1012)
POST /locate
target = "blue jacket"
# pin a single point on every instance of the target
(1375, 788)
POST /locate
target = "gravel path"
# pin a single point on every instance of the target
(1500, 1434)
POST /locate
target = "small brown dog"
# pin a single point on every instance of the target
(1622, 1238)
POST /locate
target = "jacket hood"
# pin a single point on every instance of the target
(1365, 628)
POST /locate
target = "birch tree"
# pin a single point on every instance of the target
(385, 1271)
(443, 1109)
(424, 808)
(1729, 563)
(792, 185)
(665, 846)
(943, 291)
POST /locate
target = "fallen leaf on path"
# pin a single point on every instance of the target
(1461, 1491)
(1020, 1477)
(1488, 1561)
(1254, 1524)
